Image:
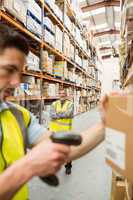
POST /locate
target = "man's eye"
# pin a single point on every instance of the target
(11, 71)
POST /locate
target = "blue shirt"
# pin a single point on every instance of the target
(34, 130)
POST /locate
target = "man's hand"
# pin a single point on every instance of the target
(43, 160)
(102, 108)
(47, 158)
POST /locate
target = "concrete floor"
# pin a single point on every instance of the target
(90, 178)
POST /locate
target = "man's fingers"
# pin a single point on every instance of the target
(104, 101)
(62, 148)
(102, 108)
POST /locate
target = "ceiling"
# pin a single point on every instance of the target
(103, 18)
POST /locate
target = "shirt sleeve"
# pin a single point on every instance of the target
(35, 130)
(69, 113)
(53, 114)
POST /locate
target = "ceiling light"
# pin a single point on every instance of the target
(117, 24)
(100, 26)
(105, 43)
(117, 9)
(94, 12)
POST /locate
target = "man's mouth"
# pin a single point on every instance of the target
(8, 92)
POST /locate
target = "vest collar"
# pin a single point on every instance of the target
(5, 106)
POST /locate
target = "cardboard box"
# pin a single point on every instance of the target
(72, 51)
(59, 68)
(33, 62)
(33, 24)
(17, 8)
(119, 137)
(58, 12)
(49, 24)
(34, 8)
(66, 45)
(49, 37)
(58, 38)
(67, 22)
(51, 3)
(73, 27)
(47, 62)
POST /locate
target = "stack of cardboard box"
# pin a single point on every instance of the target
(58, 38)
(49, 37)
(33, 62)
(119, 140)
(49, 24)
(72, 51)
(16, 8)
(65, 71)
(47, 62)
(67, 22)
(78, 59)
(59, 68)
(34, 14)
(66, 45)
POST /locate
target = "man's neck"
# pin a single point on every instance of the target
(62, 101)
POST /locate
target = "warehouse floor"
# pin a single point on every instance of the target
(90, 179)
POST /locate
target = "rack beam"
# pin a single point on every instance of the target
(100, 5)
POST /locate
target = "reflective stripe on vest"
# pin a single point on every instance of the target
(13, 141)
(59, 125)
(62, 123)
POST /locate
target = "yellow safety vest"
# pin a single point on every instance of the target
(13, 144)
(59, 125)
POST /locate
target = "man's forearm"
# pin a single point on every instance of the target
(14, 178)
(91, 138)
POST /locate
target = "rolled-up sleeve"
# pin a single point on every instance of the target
(35, 130)
(53, 114)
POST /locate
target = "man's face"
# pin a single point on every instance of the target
(11, 64)
(62, 95)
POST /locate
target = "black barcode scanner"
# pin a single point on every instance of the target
(61, 138)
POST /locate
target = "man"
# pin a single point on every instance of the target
(45, 158)
(61, 115)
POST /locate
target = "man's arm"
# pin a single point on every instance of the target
(53, 113)
(69, 113)
(91, 138)
(43, 160)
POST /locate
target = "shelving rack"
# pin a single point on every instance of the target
(120, 188)
(37, 45)
(127, 37)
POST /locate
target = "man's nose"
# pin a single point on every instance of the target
(15, 80)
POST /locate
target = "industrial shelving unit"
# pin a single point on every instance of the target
(121, 188)
(127, 38)
(37, 45)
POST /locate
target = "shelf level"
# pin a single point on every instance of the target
(63, 28)
(30, 98)
(51, 78)
(44, 44)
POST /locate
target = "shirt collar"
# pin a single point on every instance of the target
(5, 106)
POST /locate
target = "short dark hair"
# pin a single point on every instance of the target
(11, 38)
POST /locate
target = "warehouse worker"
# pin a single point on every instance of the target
(61, 115)
(45, 158)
